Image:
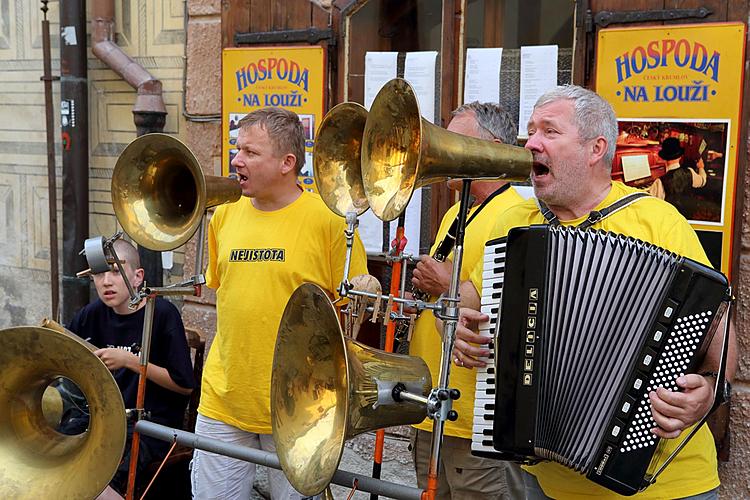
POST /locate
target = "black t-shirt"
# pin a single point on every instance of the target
(103, 327)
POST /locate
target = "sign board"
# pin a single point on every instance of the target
(677, 93)
(292, 78)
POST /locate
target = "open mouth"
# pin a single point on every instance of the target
(243, 178)
(540, 169)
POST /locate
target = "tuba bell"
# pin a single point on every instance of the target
(402, 151)
(327, 388)
(37, 461)
(160, 193)
(336, 159)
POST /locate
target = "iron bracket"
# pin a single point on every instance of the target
(309, 35)
(604, 18)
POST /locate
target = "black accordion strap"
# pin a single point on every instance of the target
(446, 246)
(595, 215)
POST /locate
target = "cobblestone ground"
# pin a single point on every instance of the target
(357, 457)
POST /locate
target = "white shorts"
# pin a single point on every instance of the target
(219, 477)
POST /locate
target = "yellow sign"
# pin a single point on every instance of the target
(292, 78)
(677, 94)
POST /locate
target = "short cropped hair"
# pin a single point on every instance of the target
(593, 115)
(283, 128)
(492, 120)
(127, 252)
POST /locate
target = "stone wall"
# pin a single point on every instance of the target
(203, 132)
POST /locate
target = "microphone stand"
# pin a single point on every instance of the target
(442, 397)
(397, 251)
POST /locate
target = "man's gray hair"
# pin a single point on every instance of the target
(283, 128)
(594, 116)
(492, 120)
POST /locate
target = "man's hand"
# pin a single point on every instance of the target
(676, 411)
(114, 359)
(432, 276)
(469, 346)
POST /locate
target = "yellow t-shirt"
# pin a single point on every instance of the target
(693, 471)
(426, 339)
(256, 260)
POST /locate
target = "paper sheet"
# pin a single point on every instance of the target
(482, 76)
(380, 67)
(419, 71)
(538, 75)
(635, 167)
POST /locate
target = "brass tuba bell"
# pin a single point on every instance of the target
(402, 151)
(160, 193)
(37, 461)
(327, 388)
(336, 159)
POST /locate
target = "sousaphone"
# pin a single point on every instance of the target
(36, 460)
(160, 193)
(327, 388)
(337, 156)
(402, 151)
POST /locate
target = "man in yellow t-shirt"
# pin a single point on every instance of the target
(261, 248)
(462, 475)
(572, 134)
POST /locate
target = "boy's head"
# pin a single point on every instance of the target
(110, 285)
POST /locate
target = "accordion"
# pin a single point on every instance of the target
(590, 323)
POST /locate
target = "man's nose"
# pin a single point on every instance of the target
(532, 143)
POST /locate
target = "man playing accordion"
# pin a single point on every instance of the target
(572, 133)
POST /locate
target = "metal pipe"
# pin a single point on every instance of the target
(74, 112)
(54, 265)
(342, 478)
(149, 89)
(149, 112)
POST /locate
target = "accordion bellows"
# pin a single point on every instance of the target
(591, 323)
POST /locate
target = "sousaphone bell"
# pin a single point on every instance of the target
(160, 193)
(36, 460)
(327, 388)
(337, 157)
(402, 151)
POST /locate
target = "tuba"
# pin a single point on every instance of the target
(160, 193)
(402, 151)
(37, 461)
(327, 388)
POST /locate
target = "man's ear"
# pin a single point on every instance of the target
(598, 149)
(289, 164)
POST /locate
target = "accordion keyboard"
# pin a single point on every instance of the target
(484, 394)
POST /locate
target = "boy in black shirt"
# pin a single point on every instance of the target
(111, 325)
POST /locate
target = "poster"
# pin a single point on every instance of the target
(288, 77)
(677, 94)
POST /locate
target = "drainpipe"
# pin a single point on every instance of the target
(149, 113)
(75, 153)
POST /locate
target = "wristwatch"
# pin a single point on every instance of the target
(725, 393)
